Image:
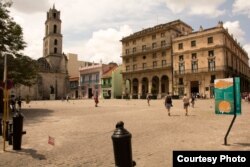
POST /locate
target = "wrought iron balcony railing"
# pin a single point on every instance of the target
(148, 68)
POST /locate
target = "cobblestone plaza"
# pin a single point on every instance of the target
(83, 132)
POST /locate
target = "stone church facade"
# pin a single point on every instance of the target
(52, 77)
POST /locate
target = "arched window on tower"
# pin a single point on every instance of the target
(55, 42)
(55, 28)
(47, 27)
(54, 15)
(55, 50)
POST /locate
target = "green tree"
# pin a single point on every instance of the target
(22, 70)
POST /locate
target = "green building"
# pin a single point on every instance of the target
(112, 83)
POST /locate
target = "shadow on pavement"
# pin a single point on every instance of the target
(35, 115)
(33, 153)
(243, 144)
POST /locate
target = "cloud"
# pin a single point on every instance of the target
(247, 49)
(31, 6)
(196, 7)
(241, 7)
(105, 45)
(235, 29)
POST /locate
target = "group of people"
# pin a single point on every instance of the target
(186, 103)
(13, 102)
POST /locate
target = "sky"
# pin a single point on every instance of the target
(92, 29)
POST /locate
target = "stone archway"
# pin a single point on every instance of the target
(164, 85)
(135, 87)
(144, 87)
(155, 86)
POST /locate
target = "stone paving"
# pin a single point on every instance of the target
(83, 132)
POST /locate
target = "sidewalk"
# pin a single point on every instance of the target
(83, 132)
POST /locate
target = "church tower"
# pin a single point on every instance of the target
(52, 42)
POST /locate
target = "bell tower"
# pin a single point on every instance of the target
(52, 42)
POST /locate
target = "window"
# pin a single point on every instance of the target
(181, 68)
(55, 50)
(144, 65)
(142, 39)
(144, 57)
(154, 45)
(134, 67)
(163, 34)
(163, 53)
(134, 49)
(180, 46)
(127, 68)
(163, 43)
(47, 27)
(210, 40)
(127, 60)
(55, 27)
(154, 36)
(194, 66)
(55, 42)
(211, 65)
(154, 56)
(154, 64)
(134, 42)
(194, 56)
(163, 62)
(127, 44)
(193, 43)
(97, 77)
(213, 77)
(181, 58)
(127, 51)
(211, 53)
(143, 47)
(180, 81)
(134, 59)
(54, 15)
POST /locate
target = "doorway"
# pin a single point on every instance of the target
(194, 87)
(90, 93)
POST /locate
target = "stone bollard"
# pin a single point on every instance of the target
(17, 131)
(122, 146)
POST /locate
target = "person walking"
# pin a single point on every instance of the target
(96, 98)
(19, 102)
(186, 103)
(148, 99)
(168, 103)
(192, 100)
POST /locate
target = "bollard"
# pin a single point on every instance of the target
(122, 146)
(7, 130)
(1, 133)
(10, 133)
(17, 131)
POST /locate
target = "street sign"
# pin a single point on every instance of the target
(227, 96)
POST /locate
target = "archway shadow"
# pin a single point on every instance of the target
(28, 151)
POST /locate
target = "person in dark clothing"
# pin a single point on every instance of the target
(168, 103)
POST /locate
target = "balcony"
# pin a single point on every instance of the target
(107, 85)
(200, 70)
(90, 82)
(149, 68)
(146, 50)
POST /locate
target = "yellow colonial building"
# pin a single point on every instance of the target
(172, 58)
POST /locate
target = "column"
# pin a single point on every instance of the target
(123, 88)
(159, 93)
(149, 86)
(139, 89)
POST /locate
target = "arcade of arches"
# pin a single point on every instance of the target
(139, 87)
